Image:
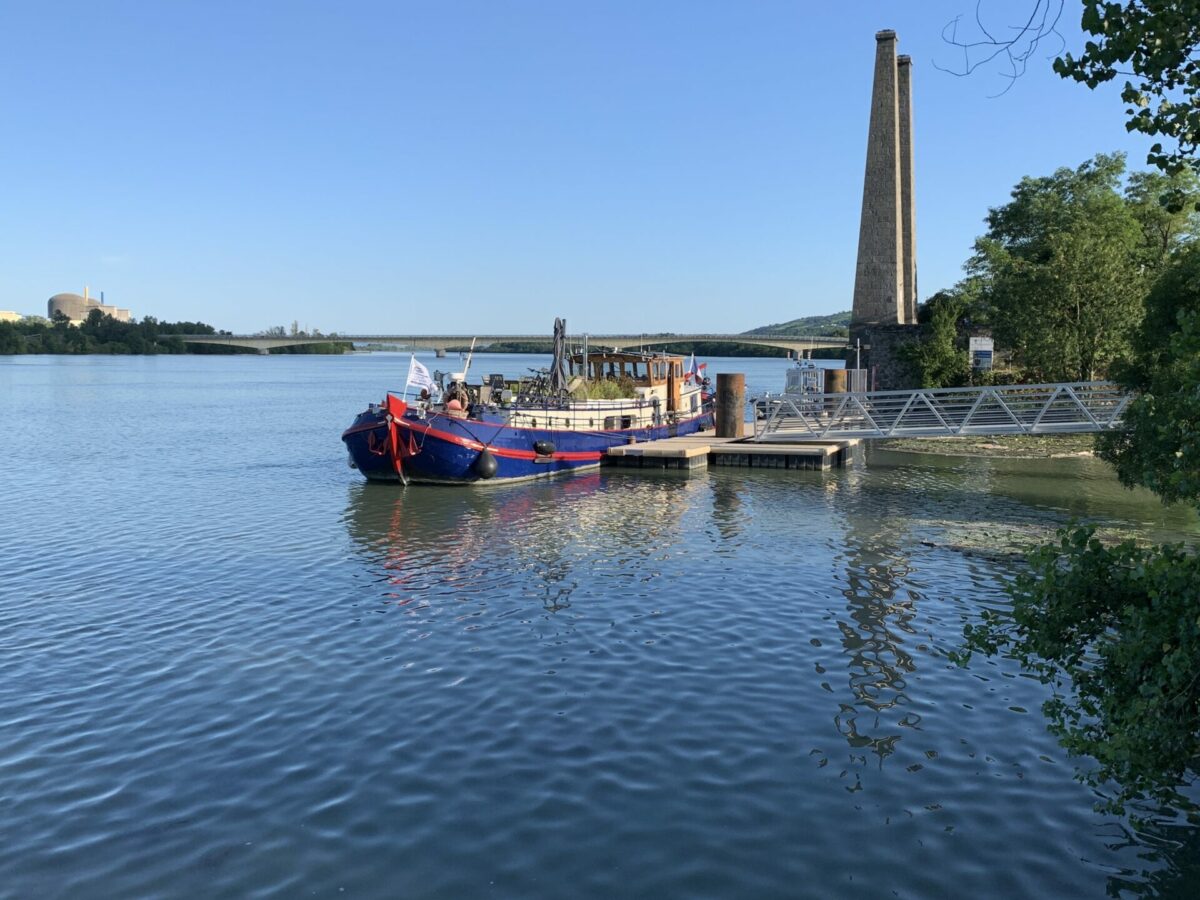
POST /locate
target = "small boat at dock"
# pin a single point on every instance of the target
(559, 420)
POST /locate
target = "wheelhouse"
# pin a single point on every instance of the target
(645, 369)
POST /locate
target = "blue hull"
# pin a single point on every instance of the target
(445, 449)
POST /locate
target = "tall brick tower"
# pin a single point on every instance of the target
(885, 290)
(908, 215)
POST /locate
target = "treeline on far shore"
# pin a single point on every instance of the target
(101, 333)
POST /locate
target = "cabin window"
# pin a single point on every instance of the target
(610, 422)
(591, 423)
(533, 423)
(695, 402)
(626, 421)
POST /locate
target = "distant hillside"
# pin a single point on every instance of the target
(836, 325)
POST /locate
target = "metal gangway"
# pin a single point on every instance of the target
(945, 412)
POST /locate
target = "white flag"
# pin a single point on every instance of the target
(418, 375)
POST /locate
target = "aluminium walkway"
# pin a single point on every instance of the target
(1066, 408)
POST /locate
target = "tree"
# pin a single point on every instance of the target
(1158, 41)
(1160, 446)
(1061, 271)
(10, 339)
(937, 358)
(1116, 630)
(1165, 207)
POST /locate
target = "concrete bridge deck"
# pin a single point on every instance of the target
(263, 343)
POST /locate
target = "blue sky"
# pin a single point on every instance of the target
(485, 166)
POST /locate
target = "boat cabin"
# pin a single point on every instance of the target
(640, 368)
(659, 374)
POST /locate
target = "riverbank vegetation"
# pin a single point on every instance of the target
(1061, 277)
(101, 333)
(1116, 629)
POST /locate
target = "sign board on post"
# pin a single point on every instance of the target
(981, 352)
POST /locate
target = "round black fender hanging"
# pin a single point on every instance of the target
(485, 465)
(543, 448)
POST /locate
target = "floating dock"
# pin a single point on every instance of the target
(704, 449)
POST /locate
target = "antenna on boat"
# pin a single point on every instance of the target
(470, 353)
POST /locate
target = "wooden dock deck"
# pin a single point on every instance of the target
(700, 450)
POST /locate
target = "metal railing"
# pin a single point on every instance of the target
(949, 412)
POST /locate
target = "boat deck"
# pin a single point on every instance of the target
(700, 450)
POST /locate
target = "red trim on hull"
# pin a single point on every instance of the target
(508, 453)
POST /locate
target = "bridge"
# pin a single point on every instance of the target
(950, 412)
(797, 344)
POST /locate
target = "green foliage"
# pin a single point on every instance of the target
(1165, 208)
(606, 389)
(10, 339)
(940, 358)
(713, 348)
(1062, 271)
(101, 333)
(1160, 447)
(835, 325)
(1155, 43)
(1116, 631)
(326, 347)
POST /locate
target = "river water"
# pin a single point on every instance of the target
(228, 666)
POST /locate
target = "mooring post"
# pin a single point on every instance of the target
(731, 405)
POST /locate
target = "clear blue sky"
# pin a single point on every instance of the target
(484, 166)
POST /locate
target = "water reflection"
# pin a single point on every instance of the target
(880, 614)
(539, 540)
(727, 512)
(1052, 490)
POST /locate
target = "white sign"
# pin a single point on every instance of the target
(981, 343)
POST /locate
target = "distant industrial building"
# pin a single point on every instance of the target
(7, 316)
(76, 308)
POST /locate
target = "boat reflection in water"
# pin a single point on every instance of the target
(538, 539)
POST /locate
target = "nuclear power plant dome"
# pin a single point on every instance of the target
(76, 308)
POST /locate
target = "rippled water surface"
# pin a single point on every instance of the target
(228, 666)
